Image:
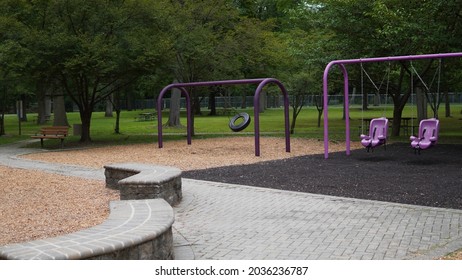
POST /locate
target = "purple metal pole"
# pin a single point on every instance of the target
(159, 113)
(325, 100)
(347, 108)
(188, 115)
(260, 82)
(256, 113)
(342, 64)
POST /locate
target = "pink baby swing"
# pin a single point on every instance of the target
(428, 128)
(378, 127)
(378, 131)
(428, 135)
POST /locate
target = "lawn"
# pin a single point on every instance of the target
(271, 123)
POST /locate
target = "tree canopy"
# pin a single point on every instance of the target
(90, 49)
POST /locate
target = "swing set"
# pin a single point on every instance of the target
(428, 129)
(234, 124)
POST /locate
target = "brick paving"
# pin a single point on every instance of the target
(224, 221)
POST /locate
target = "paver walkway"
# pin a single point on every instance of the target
(224, 221)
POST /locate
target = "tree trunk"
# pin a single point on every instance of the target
(116, 104)
(48, 107)
(2, 111)
(396, 125)
(85, 117)
(109, 107)
(196, 105)
(376, 99)
(212, 103)
(59, 112)
(41, 118)
(365, 101)
(117, 124)
(399, 102)
(2, 123)
(447, 106)
(421, 102)
(319, 117)
(43, 114)
(174, 114)
(296, 108)
(262, 101)
(244, 102)
(193, 132)
(319, 101)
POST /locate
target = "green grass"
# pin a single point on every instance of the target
(271, 123)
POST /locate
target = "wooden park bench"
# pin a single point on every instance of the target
(52, 132)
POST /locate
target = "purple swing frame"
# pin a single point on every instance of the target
(261, 83)
(341, 64)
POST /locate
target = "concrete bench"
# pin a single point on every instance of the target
(135, 229)
(142, 181)
(52, 132)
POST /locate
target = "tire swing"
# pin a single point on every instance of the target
(236, 125)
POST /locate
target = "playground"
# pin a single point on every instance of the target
(419, 173)
(397, 174)
(393, 174)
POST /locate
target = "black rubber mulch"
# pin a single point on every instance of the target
(433, 178)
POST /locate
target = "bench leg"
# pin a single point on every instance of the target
(62, 143)
(41, 142)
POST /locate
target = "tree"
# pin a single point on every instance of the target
(59, 111)
(299, 88)
(93, 48)
(213, 42)
(174, 114)
(13, 60)
(367, 28)
(98, 63)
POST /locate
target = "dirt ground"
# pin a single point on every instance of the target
(36, 205)
(201, 154)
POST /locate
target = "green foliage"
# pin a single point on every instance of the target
(91, 49)
(364, 28)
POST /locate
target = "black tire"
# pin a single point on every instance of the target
(242, 125)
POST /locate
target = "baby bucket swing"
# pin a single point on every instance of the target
(378, 127)
(428, 128)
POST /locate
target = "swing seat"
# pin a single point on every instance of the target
(428, 134)
(378, 131)
(238, 126)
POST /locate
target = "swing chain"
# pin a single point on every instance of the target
(387, 75)
(436, 100)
